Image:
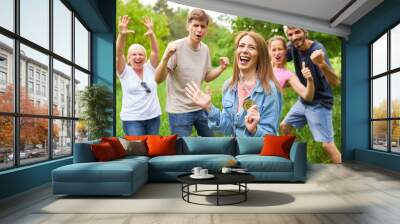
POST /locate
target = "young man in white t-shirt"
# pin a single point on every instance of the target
(185, 60)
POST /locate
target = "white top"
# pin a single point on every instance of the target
(185, 65)
(137, 104)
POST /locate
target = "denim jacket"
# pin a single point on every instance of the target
(231, 122)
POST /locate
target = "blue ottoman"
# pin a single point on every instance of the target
(118, 177)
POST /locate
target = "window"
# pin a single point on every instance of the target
(44, 91)
(41, 83)
(30, 72)
(7, 71)
(62, 30)
(81, 45)
(3, 71)
(30, 87)
(385, 96)
(3, 78)
(7, 14)
(37, 89)
(62, 74)
(3, 61)
(34, 21)
(38, 75)
(44, 77)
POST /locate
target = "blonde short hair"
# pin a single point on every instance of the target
(135, 47)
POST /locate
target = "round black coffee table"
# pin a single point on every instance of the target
(238, 179)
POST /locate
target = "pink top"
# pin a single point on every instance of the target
(243, 93)
(282, 75)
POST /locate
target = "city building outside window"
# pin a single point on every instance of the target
(385, 96)
(34, 82)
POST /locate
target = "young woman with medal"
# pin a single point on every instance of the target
(252, 99)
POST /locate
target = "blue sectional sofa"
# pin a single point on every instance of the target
(125, 176)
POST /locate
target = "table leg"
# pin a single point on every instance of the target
(245, 191)
(217, 194)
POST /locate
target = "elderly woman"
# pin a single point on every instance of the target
(140, 113)
(252, 99)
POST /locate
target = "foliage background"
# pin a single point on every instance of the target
(169, 24)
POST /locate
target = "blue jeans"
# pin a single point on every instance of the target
(145, 127)
(182, 123)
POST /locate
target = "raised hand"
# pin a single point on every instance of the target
(197, 96)
(148, 23)
(318, 57)
(123, 25)
(223, 62)
(170, 51)
(252, 119)
(306, 72)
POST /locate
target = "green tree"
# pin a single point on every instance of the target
(220, 42)
(136, 12)
(177, 24)
(161, 7)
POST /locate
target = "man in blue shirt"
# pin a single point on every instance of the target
(317, 113)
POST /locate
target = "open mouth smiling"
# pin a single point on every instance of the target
(244, 59)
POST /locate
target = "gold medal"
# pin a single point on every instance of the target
(247, 103)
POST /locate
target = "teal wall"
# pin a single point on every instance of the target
(103, 64)
(24, 178)
(99, 16)
(356, 85)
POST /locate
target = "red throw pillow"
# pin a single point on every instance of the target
(159, 145)
(277, 145)
(116, 145)
(103, 151)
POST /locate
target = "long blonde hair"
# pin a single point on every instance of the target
(264, 68)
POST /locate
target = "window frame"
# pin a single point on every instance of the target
(51, 118)
(388, 74)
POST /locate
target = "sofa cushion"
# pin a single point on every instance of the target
(277, 145)
(136, 147)
(116, 145)
(111, 171)
(185, 163)
(207, 145)
(249, 145)
(103, 151)
(161, 145)
(257, 163)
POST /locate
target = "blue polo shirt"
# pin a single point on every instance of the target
(323, 92)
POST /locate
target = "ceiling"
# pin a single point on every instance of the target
(327, 16)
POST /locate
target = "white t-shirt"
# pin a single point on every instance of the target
(137, 104)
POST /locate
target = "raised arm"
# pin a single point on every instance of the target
(307, 93)
(318, 58)
(214, 73)
(154, 59)
(123, 31)
(162, 69)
